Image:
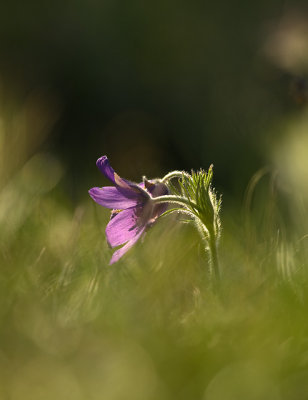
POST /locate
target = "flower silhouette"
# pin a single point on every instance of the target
(132, 208)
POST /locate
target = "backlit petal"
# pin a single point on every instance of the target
(113, 197)
(119, 253)
(106, 169)
(122, 228)
(157, 189)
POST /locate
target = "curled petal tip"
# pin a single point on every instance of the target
(103, 165)
(101, 160)
(90, 191)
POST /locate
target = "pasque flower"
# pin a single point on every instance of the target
(132, 205)
(135, 207)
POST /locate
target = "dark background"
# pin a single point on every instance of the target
(154, 85)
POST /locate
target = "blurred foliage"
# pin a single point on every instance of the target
(154, 86)
(150, 326)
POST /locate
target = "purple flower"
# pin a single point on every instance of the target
(132, 208)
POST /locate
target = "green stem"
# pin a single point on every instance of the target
(207, 234)
(174, 199)
(174, 174)
(214, 258)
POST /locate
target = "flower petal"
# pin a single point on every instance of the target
(157, 189)
(123, 227)
(113, 197)
(106, 169)
(119, 253)
(130, 188)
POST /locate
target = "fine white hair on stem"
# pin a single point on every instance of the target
(174, 174)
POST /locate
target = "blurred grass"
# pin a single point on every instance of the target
(149, 327)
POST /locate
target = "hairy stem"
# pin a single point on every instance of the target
(207, 233)
(174, 199)
(215, 271)
(174, 174)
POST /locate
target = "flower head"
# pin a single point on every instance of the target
(133, 210)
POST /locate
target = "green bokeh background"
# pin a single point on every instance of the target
(156, 86)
